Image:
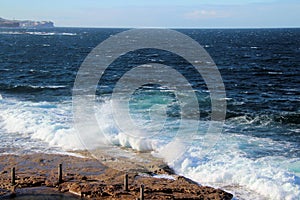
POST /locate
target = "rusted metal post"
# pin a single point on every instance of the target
(13, 176)
(142, 192)
(60, 173)
(126, 182)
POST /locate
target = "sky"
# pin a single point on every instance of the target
(157, 13)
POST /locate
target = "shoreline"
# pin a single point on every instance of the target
(90, 179)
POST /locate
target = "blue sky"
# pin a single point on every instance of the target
(157, 13)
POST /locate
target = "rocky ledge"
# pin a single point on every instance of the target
(89, 179)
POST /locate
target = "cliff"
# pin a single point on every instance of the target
(5, 23)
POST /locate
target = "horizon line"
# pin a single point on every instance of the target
(153, 27)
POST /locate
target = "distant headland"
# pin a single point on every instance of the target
(6, 23)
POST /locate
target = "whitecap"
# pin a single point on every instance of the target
(275, 73)
(68, 34)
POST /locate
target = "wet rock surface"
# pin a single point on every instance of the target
(89, 179)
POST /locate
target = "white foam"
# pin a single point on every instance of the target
(48, 33)
(49, 122)
(53, 124)
(139, 144)
(46, 87)
(275, 73)
(227, 167)
(116, 136)
(69, 34)
(53, 86)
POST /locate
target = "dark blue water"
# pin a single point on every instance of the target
(260, 70)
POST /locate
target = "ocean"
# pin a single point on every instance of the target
(257, 155)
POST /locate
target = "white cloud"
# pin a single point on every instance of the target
(203, 14)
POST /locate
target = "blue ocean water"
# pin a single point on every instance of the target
(258, 153)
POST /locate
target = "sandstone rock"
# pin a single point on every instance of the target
(87, 178)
